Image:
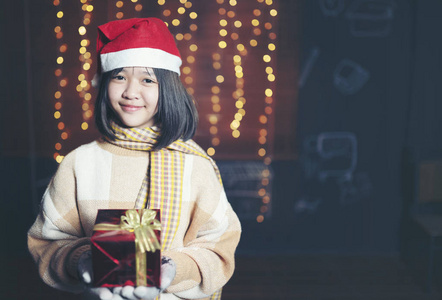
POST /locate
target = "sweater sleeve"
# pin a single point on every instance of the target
(56, 239)
(206, 262)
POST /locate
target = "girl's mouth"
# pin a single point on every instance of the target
(130, 108)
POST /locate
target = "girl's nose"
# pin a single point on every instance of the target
(131, 91)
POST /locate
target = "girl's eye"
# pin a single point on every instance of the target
(148, 80)
(118, 77)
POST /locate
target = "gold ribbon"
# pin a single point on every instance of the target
(142, 223)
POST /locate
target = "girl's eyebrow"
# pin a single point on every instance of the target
(148, 71)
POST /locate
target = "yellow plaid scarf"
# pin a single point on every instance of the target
(162, 186)
(164, 178)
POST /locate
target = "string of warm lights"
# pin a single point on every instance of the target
(239, 48)
(215, 100)
(61, 82)
(217, 65)
(86, 61)
(263, 20)
(267, 16)
(187, 38)
(179, 21)
(119, 5)
(182, 23)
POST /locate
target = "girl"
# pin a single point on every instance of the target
(145, 158)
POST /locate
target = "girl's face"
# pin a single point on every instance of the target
(133, 95)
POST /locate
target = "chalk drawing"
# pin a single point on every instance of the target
(329, 154)
(306, 205)
(349, 77)
(310, 62)
(242, 175)
(332, 8)
(371, 18)
(338, 153)
(242, 180)
(356, 189)
(310, 144)
(309, 157)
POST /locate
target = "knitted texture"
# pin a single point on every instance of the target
(165, 176)
(101, 175)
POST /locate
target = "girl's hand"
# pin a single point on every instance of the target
(85, 267)
(168, 271)
(127, 292)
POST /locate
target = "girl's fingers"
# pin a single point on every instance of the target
(117, 297)
(128, 293)
(103, 293)
(147, 293)
(86, 277)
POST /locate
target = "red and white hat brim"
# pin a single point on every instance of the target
(140, 57)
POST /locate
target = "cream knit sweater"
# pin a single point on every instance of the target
(100, 175)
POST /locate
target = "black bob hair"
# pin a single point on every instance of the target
(176, 117)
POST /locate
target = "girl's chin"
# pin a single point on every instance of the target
(137, 125)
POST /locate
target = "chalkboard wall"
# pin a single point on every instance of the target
(369, 87)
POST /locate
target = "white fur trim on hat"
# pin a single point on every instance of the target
(140, 57)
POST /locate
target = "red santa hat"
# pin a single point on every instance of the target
(137, 42)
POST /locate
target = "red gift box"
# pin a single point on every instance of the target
(119, 242)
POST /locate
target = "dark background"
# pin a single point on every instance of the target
(385, 100)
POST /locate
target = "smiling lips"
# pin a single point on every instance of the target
(130, 108)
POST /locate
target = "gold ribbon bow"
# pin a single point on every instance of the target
(142, 223)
